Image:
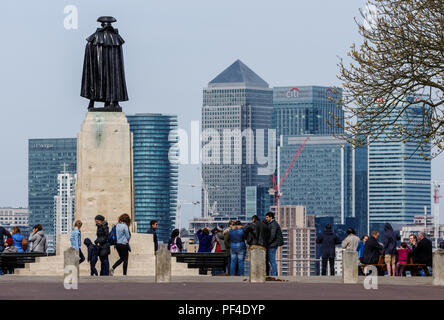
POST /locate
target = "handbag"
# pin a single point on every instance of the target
(24, 244)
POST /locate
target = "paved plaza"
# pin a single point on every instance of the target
(217, 288)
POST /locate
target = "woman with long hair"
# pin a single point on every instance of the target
(123, 237)
(18, 240)
(175, 243)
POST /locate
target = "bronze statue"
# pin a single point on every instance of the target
(103, 77)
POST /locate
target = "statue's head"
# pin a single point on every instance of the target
(106, 21)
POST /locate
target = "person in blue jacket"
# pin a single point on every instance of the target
(17, 238)
(237, 249)
(205, 238)
(360, 247)
(76, 239)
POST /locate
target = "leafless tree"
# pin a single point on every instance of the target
(393, 88)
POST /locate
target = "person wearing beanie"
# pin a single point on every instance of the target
(102, 243)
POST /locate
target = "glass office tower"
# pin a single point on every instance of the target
(393, 168)
(47, 158)
(305, 110)
(237, 100)
(155, 176)
(322, 177)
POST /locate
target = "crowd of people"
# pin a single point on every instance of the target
(233, 240)
(418, 251)
(236, 239)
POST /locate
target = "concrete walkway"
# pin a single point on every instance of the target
(217, 288)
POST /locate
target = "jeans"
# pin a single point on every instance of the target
(104, 266)
(331, 261)
(272, 257)
(237, 259)
(122, 250)
(2, 248)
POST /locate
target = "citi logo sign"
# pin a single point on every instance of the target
(293, 93)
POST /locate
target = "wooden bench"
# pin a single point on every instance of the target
(380, 266)
(11, 261)
(203, 261)
(415, 269)
(412, 267)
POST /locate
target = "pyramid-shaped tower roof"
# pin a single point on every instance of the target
(238, 74)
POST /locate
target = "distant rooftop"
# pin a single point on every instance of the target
(238, 74)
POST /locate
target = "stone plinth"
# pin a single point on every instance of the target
(438, 268)
(71, 267)
(350, 266)
(104, 169)
(163, 264)
(257, 264)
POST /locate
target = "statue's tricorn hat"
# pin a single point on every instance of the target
(106, 19)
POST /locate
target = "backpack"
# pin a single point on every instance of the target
(112, 236)
(173, 246)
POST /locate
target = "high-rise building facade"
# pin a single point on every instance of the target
(155, 171)
(393, 168)
(306, 110)
(321, 178)
(47, 158)
(64, 203)
(15, 217)
(236, 118)
(297, 257)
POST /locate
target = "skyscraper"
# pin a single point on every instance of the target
(236, 116)
(155, 176)
(64, 203)
(304, 110)
(393, 165)
(47, 159)
(321, 178)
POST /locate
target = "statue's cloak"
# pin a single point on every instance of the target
(103, 72)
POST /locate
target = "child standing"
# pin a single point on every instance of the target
(403, 254)
(93, 255)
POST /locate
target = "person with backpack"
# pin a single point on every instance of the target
(102, 243)
(20, 241)
(123, 236)
(275, 240)
(328, 241)
(38, 239)
(175, 243)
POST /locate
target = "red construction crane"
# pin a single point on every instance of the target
(276, 189)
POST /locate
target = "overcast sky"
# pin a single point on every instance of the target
(172, 50)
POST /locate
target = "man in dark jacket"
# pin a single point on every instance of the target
(3, 233)
(328, 240)
(423, 253)
(152, 230)
(372, 249)
(275, 239)
(257, 233)
(102, 243)
(389, 249)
